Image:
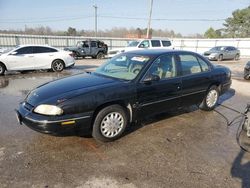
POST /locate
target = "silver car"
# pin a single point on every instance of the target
(222, 52)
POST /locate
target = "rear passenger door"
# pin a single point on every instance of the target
(43, 57)
(195, 78)
(156, 44)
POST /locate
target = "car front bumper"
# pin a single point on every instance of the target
(55, 125)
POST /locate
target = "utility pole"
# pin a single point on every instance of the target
(149, 19)
(95, 7)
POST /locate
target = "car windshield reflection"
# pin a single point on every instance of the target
(125, 67)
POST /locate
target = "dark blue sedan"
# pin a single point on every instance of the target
(127, 87)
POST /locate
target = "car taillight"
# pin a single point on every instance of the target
(71, 54)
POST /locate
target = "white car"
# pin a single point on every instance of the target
(142, 44)
(35, 57)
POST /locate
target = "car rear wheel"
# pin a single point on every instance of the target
(220, 58)
(2, 69)
(110, 123)
(210, 100)
(100, 55)
(237, 57)
(57, 65)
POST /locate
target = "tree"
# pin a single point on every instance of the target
(239, 24)
(211, 33)
(71, 31)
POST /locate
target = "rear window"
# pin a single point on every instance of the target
(155, 43)
(166, 43)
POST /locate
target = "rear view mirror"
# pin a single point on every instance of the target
(151, 78)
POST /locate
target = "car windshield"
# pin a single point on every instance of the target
(124, 66)
(133, 43)
(217, 48)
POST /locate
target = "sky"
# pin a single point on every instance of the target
(183, 16)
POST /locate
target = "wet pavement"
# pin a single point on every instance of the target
(188, 148)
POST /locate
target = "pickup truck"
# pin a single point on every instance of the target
(92, 48)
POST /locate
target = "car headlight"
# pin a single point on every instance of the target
(47, 109)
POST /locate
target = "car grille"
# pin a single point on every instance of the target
(27, 106)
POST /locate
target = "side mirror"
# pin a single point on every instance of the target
(151, 78)
(141, 46)
(13, 53)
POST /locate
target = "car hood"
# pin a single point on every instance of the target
(63, 89)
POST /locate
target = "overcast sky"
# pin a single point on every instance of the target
(184, 16)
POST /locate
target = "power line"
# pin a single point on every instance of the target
(45, 20)
(56, 19)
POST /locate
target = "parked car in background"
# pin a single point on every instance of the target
(89, 48)
(142, 44)
(247, 71)
(222, 53)
(126, 88)
(35, 57)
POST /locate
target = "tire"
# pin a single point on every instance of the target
(220, 58)
(100, 55)
(210, 100)
(2, 69)
(57, 65)
(237, 57)
(110, 123)
(247, 77)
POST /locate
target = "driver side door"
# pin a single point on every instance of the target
(21, 59)
(163, 94)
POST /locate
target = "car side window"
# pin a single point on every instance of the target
(164, 67)
(204, 65)
(155, 43)
(93, 44)
(189, 64)
(24, 50)
(166, 43)
(40, 49)
(85, 44)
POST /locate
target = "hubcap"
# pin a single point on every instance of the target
(58, 66)
(112, 124)
(212, 98)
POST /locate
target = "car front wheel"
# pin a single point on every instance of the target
(237, 57)
(220, 58)
(57, 65)
(210, 100)
(110, 123)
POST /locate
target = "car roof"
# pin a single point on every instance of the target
(40, 45)
(155, 52)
